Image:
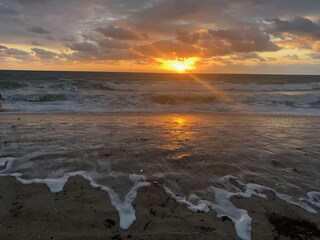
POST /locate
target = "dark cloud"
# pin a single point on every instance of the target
(6, 52)
(224, 42)
(103, 49)
(38, 30)
(3, 47)
(169, 16)
(16, 52)
(119, 33)
(300, 26)
(102, 55)
(83, 47)
(42, 53)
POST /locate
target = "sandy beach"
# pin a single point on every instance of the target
(190, 152)
(80, 212)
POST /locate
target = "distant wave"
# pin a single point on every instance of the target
(40, 97)
(39, 92)
(272, 87)
(11, 85)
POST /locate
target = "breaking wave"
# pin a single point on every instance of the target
(39, 92)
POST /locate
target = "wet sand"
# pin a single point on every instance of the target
(82, 212)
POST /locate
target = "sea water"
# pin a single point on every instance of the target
(134, 92)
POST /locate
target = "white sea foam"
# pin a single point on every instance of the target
(124, 206)
(222, 205)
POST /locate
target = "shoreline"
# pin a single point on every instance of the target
(191, 151)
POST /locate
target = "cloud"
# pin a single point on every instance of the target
(292, 56)
(102, 56)
(6, 52)
(300, 26)
(83, 47)
(229, 41)
(38, 30)
(296, 32)
(44, 54)
(167, 49)
(7, 10)
(36, 43)
(140, 30)
(3, 47)
(314, 56)
(16, 52)
(119, 33)
(248, 56)
(110, 43)
(101, 51)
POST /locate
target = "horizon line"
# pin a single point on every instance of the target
(175, 73)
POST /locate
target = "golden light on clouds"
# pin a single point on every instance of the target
(180, 65)
(154, 36)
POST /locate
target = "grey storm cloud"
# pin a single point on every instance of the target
(102, 30)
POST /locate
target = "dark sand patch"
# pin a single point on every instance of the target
(295, 229)
(272, 218)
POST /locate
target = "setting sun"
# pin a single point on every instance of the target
(180, 65)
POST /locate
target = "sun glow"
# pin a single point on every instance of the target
(180, 65)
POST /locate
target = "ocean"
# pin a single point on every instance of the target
(205, 140)
(138, 92)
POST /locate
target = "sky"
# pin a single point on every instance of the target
(210, 36)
